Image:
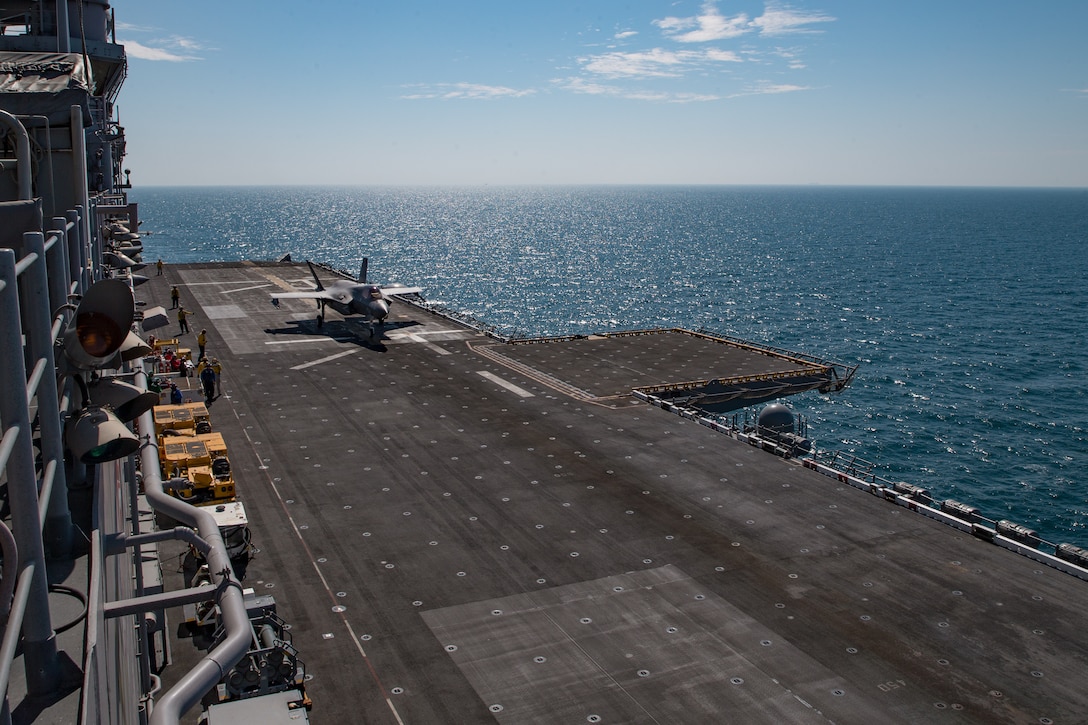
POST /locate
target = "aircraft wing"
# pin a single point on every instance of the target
(317, 294)
(400, 290)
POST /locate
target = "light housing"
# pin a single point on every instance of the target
(127, 401)
(101, 324)
(120, 260)
(154, 318)
(134, 348)
(96, 435)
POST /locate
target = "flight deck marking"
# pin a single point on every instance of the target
(321, 575)
(224, 312)
(534, 374)
(308, 339)
(504, 383)
(324, 359)
(429, 345)
(209, 284)
(243, 289)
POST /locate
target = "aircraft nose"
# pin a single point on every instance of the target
(379, 309)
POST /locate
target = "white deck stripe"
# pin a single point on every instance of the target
(324, 359)
(504, 383)
(243, 289)
(308, 339)
(429, 345)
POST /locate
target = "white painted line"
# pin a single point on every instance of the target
(504, 383)
(212, 284)
(324, 359)
(243, 289)
(424, 332)
(307, 339)
(429, 345)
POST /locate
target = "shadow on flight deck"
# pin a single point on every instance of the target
(343, 331)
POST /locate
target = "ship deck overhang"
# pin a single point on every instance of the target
(712, 372)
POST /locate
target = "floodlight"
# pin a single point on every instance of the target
(154, 318)
(101, 324)
(116, 230)
(95, 435)
(134, 348)
(119, 260)
(127, 401)
(129, 248)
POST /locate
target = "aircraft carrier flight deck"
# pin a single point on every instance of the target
(461, 529)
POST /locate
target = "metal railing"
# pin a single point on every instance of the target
(30, 287)
(861, 474)
(34, 400)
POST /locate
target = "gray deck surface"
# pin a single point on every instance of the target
(611, 366)
(453, 540)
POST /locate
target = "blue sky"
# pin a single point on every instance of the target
(925, 92)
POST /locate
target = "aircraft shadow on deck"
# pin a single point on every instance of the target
(343, 331)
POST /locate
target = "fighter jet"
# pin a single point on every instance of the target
(351, 298)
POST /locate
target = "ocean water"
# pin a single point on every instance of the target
(965, 308)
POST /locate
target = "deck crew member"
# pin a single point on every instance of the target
(207, 381)
(218, 368)
(183, 322)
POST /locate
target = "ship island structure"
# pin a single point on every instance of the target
(430, 522)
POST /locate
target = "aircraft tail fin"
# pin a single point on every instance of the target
(362, 271)
(314, 273)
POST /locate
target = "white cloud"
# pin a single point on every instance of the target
(654, 63)
(143, 52)
(726, 56)
(132, 28)
(474, 91)
(710, 25)
(187, 43)
(765, 88)
(707, 26)
(782, 20)
(581, 85)
(620, 68)
(791, 57)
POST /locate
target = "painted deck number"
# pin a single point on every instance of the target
(891, 685)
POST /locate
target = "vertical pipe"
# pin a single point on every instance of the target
(39, 641)
(77, 274)
(58, 520)
(64, 43)
(77, 471)
(79, 174)
(24, 172)
(75, 263)
(57, 261)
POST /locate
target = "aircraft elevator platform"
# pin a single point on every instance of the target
(703, 370)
